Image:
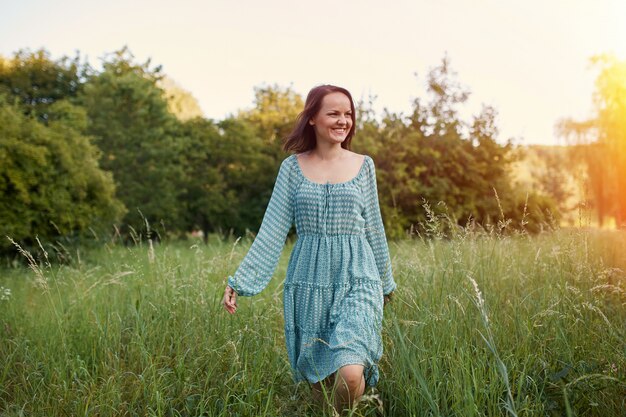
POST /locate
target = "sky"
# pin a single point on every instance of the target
(529, 59)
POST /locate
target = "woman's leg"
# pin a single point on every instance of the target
(318, 390)
(349, 386)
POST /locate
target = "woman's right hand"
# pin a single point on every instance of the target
(387, 298)
(230, 299)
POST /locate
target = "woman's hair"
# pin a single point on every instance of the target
(302, 137)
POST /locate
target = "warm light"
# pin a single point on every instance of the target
(619, 30)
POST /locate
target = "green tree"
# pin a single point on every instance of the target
(50, 181)
(226, 176)
(252, 147)
(554, 175)
(273, 115)
(491, 169)
(433, 157)
(36, 81)
(131, 124)
(274, 111)
(206, 195)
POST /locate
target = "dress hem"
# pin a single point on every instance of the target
(368, 372)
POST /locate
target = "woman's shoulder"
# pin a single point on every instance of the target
(288, 159)
(366, 160)
(361, 156)
(288, 166)
(363, 159)
(358, 155)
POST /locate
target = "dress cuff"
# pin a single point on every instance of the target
(389, 288)
(231, 284)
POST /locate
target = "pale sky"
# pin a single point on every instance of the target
(527, 58)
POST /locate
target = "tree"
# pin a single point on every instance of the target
(251, 143)
(456, 167)
(36, 81)
(131, 124)
(610, 108)
(273, 116)
(226, 176)
(553, 177)
(601, 140)
(179, 101)
(50, 181)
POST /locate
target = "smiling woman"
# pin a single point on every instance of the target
(335, 101)
(339, 276)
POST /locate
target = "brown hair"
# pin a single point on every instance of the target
(302, 137)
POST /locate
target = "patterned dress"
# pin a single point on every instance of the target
(338, 270)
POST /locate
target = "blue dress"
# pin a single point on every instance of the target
(338, 270)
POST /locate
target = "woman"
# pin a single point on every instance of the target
(339, 275)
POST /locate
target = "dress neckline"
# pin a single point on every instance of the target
(295, 157)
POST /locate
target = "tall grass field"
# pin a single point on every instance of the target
(481, 325)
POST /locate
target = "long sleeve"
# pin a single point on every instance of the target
(375, 230)
(259, 264)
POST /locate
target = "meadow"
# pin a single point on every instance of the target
(482, 324)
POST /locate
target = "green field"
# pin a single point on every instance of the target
(480, 324)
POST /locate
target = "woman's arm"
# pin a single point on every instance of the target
(259, 264)
(375, 230)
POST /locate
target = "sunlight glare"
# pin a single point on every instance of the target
(619, 31)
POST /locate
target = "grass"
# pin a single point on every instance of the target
(481, 325)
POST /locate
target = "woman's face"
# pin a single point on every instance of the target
(333, 121)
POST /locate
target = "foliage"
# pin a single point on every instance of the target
(259, 146)
(50, 181)
(131, 124)
(176, 171)
(36, 81)
(548, 170)
(180, 102)
(220, 161)
(435, 157)
(274, 112)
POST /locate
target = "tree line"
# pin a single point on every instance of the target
(86, 150)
